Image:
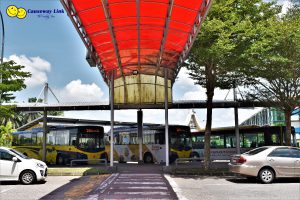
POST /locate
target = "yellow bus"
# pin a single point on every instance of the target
(126, 144)
(64, 143)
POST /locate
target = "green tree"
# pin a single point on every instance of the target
(13, 78)
(215, 60)
(6, 134)
(275, 60)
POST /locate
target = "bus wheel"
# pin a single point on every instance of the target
(60, 160)
(194, 155)
(148, 158)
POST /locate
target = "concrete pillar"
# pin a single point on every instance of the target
(112, 119)
(44, 156)
(166, 118)
(140, 134)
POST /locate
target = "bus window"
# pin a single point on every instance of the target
(260, 139)
(50, 138)
(230, 141)
(39, 138)
(25, 139)
(217, 141)
(62, 137)
(133, 138)
(198, 142)
(33, 139)
(16, 140)
(275, 139)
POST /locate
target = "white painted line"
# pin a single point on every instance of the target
(135, 199)
(2, 191)
(175, 187)
(103, 186)
(144, 193)
(142, 183)
(139, 179)
(122, 175)
(142, 187)
(5, 190)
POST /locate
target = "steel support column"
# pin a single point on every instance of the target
(140, 134)
(45, 130)
(236, 123)
(166, 118)
(112, 119)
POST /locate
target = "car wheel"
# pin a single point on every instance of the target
(27, 177)
(266, 175)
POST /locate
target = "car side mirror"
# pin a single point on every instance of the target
(15, 159)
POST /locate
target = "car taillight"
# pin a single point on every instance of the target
(241, 160)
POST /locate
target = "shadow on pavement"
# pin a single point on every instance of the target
(19, 183)
(253, 180)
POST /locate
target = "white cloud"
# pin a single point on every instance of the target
(36, 65)
(286, 4)
(76, 91)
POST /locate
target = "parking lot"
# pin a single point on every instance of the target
(187, 187)
(232, 188)
(17, 191)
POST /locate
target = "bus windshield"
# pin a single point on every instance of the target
(90, 141)
(181, 139)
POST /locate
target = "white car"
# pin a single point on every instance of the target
(14, 166)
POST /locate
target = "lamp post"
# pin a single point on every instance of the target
(2, 52)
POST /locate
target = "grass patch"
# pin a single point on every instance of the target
(78, 171)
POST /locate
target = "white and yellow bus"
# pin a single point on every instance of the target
(64, 143)
(126, 144)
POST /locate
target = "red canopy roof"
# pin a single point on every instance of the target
(137, 35)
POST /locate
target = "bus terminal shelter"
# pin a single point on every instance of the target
(139, 47)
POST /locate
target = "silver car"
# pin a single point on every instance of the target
(267, 163)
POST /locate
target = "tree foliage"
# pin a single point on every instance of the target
(13, 78)
(216, 57)
(275, 62)
(6, 135)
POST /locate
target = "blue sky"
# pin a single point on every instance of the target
(50, 48)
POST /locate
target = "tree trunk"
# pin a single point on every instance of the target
(208, 132)
(210, 87)
(288, 123)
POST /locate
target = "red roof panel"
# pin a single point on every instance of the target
(126, 33)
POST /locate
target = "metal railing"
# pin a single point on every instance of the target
(86, 160)
(178, 160)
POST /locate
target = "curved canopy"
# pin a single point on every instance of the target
(137, 36)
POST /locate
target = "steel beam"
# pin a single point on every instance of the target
(112, 34)
(206, 4)
(163, 41)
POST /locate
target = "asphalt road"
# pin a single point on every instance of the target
(189, 187)
(217, 188)
(16, 191)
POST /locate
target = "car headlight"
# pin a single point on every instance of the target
(40, 165)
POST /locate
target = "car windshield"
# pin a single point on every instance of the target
(19, 154)
(256, 151)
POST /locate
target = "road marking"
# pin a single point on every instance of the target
(144, 193)
(142, 187)
(6, 190)
(142, 183)
(175, 188)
